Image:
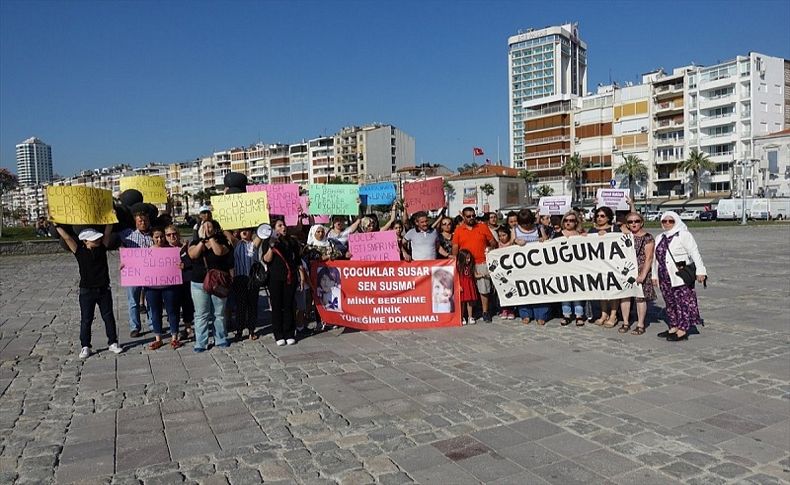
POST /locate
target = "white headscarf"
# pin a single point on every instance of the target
(312, 241)
(678, 226)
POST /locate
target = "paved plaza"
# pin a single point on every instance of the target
(492, 403)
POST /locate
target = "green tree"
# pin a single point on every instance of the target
(530, 178)
(487, 190)
(545, 191)
(449, 190)
(634, 169)
(573, 168)
(8, 182)
(697, 163)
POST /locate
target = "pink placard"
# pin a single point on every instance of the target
(424, 195)
(283, 200)
(317, 219)
(374, 246)
(150, 267)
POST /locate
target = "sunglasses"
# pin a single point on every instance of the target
(446, 224)
(601, 215)
(570, 220)
(634, 221)
(668, 221)
(171, 234)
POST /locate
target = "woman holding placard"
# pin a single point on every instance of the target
(185, 290)
(285, 273)
(245, 254)
(159, 296)
(210, 251)
(570, 223)
(604, 224)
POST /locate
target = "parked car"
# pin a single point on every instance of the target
(652, 216)
(708, 215)
(689, 215)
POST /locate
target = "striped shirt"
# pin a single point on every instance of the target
(243, 257)
(527, 236)
(132, 238)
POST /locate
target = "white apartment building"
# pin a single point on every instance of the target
(33, 162)
(299, 162)
(545, 67)
(593, 142)
(257, 166)
(728, 106)
(321, 159)
(371, 151)
(279, 163)
(631, 132)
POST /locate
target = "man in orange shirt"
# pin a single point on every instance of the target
(475, 237)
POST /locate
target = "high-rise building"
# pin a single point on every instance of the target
(33, 162)
(547, 69)
(321, 153)
(371, 152)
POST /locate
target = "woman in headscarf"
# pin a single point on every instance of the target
(675, 249)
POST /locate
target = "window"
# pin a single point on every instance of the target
(773, 162)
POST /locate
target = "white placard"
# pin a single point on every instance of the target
(555, 205)
(616, 199)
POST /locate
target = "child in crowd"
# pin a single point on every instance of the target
(505, 239)
(465, 263)
(329, 289)
(159, 296)
(91, 254)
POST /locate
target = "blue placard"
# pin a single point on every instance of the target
(382, 193)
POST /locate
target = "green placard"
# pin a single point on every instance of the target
(334, 199)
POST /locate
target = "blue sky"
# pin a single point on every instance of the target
(138, 81)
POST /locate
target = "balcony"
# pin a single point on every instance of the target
(547, 139)
(718, 138)
(716, 82)
(666, 176)
(722, 157)
(545, 166)
(668, 107)
(670, 160)
(716, 120)
(668, 142)
(667, 90)
(723, 100)
(665, 125)
(546, 153)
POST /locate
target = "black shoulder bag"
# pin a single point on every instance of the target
(259, 274)
(687, 272)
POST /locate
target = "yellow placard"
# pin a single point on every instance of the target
(152, 187)
(235, 211)
(80, 205)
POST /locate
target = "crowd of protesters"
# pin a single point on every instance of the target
(197, 315)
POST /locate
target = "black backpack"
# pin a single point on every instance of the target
(259, 273)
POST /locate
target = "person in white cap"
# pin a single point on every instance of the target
(91, 254)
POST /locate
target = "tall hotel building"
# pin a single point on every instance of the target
(547, 72)
(33, 162)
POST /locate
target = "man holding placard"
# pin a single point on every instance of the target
(91, 254)
(139, 237)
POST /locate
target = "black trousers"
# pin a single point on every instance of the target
(89, 298)
(246, 304)
(281, 296)
(186, 303)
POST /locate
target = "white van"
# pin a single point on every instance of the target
(732, 209)
(768, 209)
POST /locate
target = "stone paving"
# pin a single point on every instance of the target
(492, 403)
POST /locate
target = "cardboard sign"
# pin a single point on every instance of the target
(382, 193)
(283, 200)
(80, 205)
(613, 198)
(303, 203)
(236, 211)
(387, 295)
(334, 199)
(424, 195)
(150, 266)
(565, 269)
(374, 246)
(555, 205)
(152, 187)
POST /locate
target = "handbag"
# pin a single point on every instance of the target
(687, 272)
(217, 282)
(259, 273)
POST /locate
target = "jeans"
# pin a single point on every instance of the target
(534, 312)
(155, 297)
(89, 298)
(133, 297)
(208, 308)
(281, 297)
(577, 308)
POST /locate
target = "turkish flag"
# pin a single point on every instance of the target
(477, 151)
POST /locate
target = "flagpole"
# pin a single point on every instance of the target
(498, 159)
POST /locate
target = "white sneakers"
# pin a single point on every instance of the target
(280, 343)
(471, 321)
(290, 341)
(85, 352)
(115, 348)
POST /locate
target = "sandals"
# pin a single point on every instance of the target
(580, 322)
(600, 321)
(525, 321)
(541, 322)
(638, 331)
(611, 322)
(156, 344)
(565, 321)
(624, 328)
(175, 343)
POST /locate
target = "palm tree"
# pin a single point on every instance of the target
(8, 182)
(697, 163)
(530, 178)
(545, 191)
(634, 169)
(487, 190)
(449, 190)
(574, 167)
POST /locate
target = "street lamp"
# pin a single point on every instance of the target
(744, 164)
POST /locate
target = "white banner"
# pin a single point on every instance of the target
(565, 269)
(613, 198)
(555, 205)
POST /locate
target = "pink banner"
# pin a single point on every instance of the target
(317, 219)
(283, 200)
(374, 246)
(150, 267)
(424, 195)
